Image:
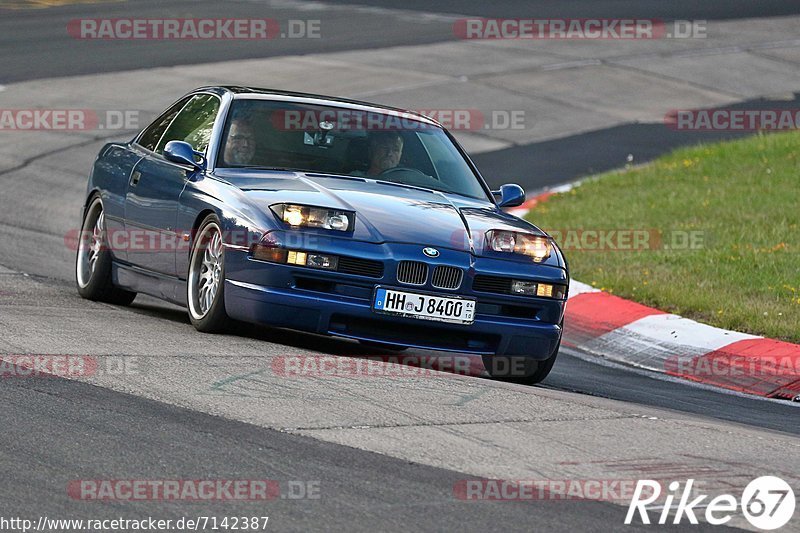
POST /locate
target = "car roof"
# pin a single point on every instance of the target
(241, 92)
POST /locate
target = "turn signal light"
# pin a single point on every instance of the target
(542, 290)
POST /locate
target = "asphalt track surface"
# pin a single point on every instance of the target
(36, 45)
(67, 426)
(74, 428)
(676, 9)
(55, 430)
(601, 150)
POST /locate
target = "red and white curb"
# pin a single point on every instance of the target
(623, 331)
(627, 332)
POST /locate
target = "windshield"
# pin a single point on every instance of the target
(333, 140)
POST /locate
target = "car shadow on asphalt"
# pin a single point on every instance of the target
(322, 345)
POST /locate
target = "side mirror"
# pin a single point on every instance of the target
(511, 195)
(182, 153)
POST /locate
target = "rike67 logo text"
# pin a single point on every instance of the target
(767, 503)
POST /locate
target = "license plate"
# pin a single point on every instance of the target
(425, 306)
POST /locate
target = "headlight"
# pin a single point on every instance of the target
(534, 246)
(303, 216)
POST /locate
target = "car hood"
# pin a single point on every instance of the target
(384, 212)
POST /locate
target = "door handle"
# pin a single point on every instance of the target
(135, 178)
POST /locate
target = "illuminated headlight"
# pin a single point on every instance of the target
(534, 246)
(302, 216)
(503, 241)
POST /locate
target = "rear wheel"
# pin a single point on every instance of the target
(519, 368)
(93, 260)
(206, 283)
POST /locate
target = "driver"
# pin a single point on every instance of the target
(240, 147)
(385, 151)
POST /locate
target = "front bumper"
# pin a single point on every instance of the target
(334, 303)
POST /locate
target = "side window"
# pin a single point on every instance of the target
(150, 137)
(415, 156)
(450, 166)
(193, 124)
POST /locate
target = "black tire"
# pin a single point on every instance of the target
(207, 318)
(520, 369)
(93, 260)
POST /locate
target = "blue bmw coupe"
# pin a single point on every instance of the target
(324, 215)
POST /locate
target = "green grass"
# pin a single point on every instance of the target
(741, 197)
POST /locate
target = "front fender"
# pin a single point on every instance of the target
(242, 223)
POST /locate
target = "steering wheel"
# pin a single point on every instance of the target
(415, 176)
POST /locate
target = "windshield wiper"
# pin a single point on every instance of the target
(419, 187)
(304, 171)
(259, 167)
(358, 178)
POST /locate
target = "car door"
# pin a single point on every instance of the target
(151, 204)
(111, 174)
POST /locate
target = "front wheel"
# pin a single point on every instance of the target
(93, 260)
(520, 369)
(206, 283)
